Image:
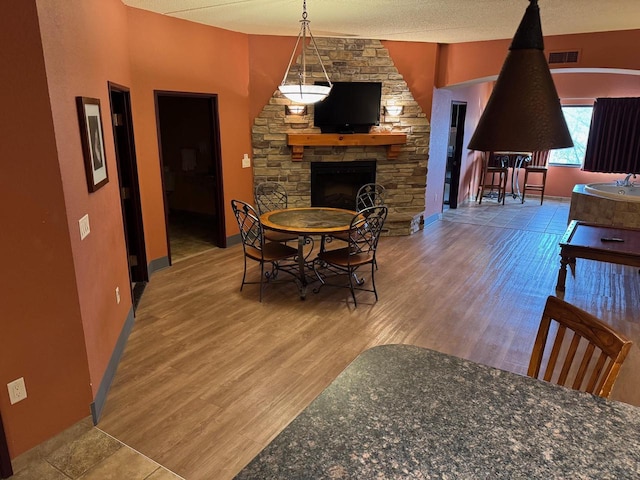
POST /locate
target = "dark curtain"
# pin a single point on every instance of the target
(614, 137)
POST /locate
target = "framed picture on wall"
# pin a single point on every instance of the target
(95, 162)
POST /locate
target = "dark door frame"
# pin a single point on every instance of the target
(126, 161)
(458, 115)
(5, 460)
(221, 238)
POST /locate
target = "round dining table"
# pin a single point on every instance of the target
(305, 222)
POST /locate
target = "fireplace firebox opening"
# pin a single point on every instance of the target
(335, 184)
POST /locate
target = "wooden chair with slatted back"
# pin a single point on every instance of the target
(493, 177)
(537, 165)
(592, 357)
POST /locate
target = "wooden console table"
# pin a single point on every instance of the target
(597, 242)
(393, 141)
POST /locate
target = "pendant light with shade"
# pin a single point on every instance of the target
(523, 113)
(300, 91)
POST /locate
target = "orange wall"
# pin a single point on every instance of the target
(463, 62)
(584, 88)
(417, 63)
(268, 60)
(176, 55)
(42, 330)
(100, 259)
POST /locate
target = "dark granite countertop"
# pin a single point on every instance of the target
(404, 412)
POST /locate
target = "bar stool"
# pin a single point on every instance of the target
(488, 181)
(538, 165)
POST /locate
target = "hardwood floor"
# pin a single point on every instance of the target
(210, 375)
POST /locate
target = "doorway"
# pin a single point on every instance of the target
(130, 203)
(454, 154)
(5, 461)
(191, 166)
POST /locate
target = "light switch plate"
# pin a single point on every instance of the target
(84, 226)
(246, 161)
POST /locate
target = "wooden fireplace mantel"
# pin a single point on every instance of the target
(393, 141)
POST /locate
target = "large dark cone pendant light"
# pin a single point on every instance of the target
(523, 113)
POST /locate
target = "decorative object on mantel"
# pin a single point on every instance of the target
(301, 92)
(523, 113)
(393, 142)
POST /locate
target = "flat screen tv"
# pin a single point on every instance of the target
(351, 107)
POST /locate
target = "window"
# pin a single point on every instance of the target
(578, 119)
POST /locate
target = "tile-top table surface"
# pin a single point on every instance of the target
(404, 412)
(309, 220)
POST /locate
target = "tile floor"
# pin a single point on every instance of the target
(87, 453)
(84, 452)
(550, 217)
(190, 235)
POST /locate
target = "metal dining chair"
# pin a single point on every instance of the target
(256, 248)
(271, 196)
(364, 233)
(370, 195)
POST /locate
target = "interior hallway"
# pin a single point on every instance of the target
(210, 375)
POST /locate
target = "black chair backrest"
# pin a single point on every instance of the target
(270, 196)
(365, 230)
(370, 195)
(249, 224)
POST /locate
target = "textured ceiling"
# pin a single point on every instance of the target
(440, 21)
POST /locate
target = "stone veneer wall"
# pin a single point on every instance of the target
(404, 177)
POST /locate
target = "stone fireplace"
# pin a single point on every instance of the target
(403, 175)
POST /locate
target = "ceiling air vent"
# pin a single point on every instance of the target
(563, 57)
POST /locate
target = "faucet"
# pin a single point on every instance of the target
(627, 181)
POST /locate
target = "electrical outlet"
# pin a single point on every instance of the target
(84, 226)
(17, 390)
(246, 161)
(118, 295)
